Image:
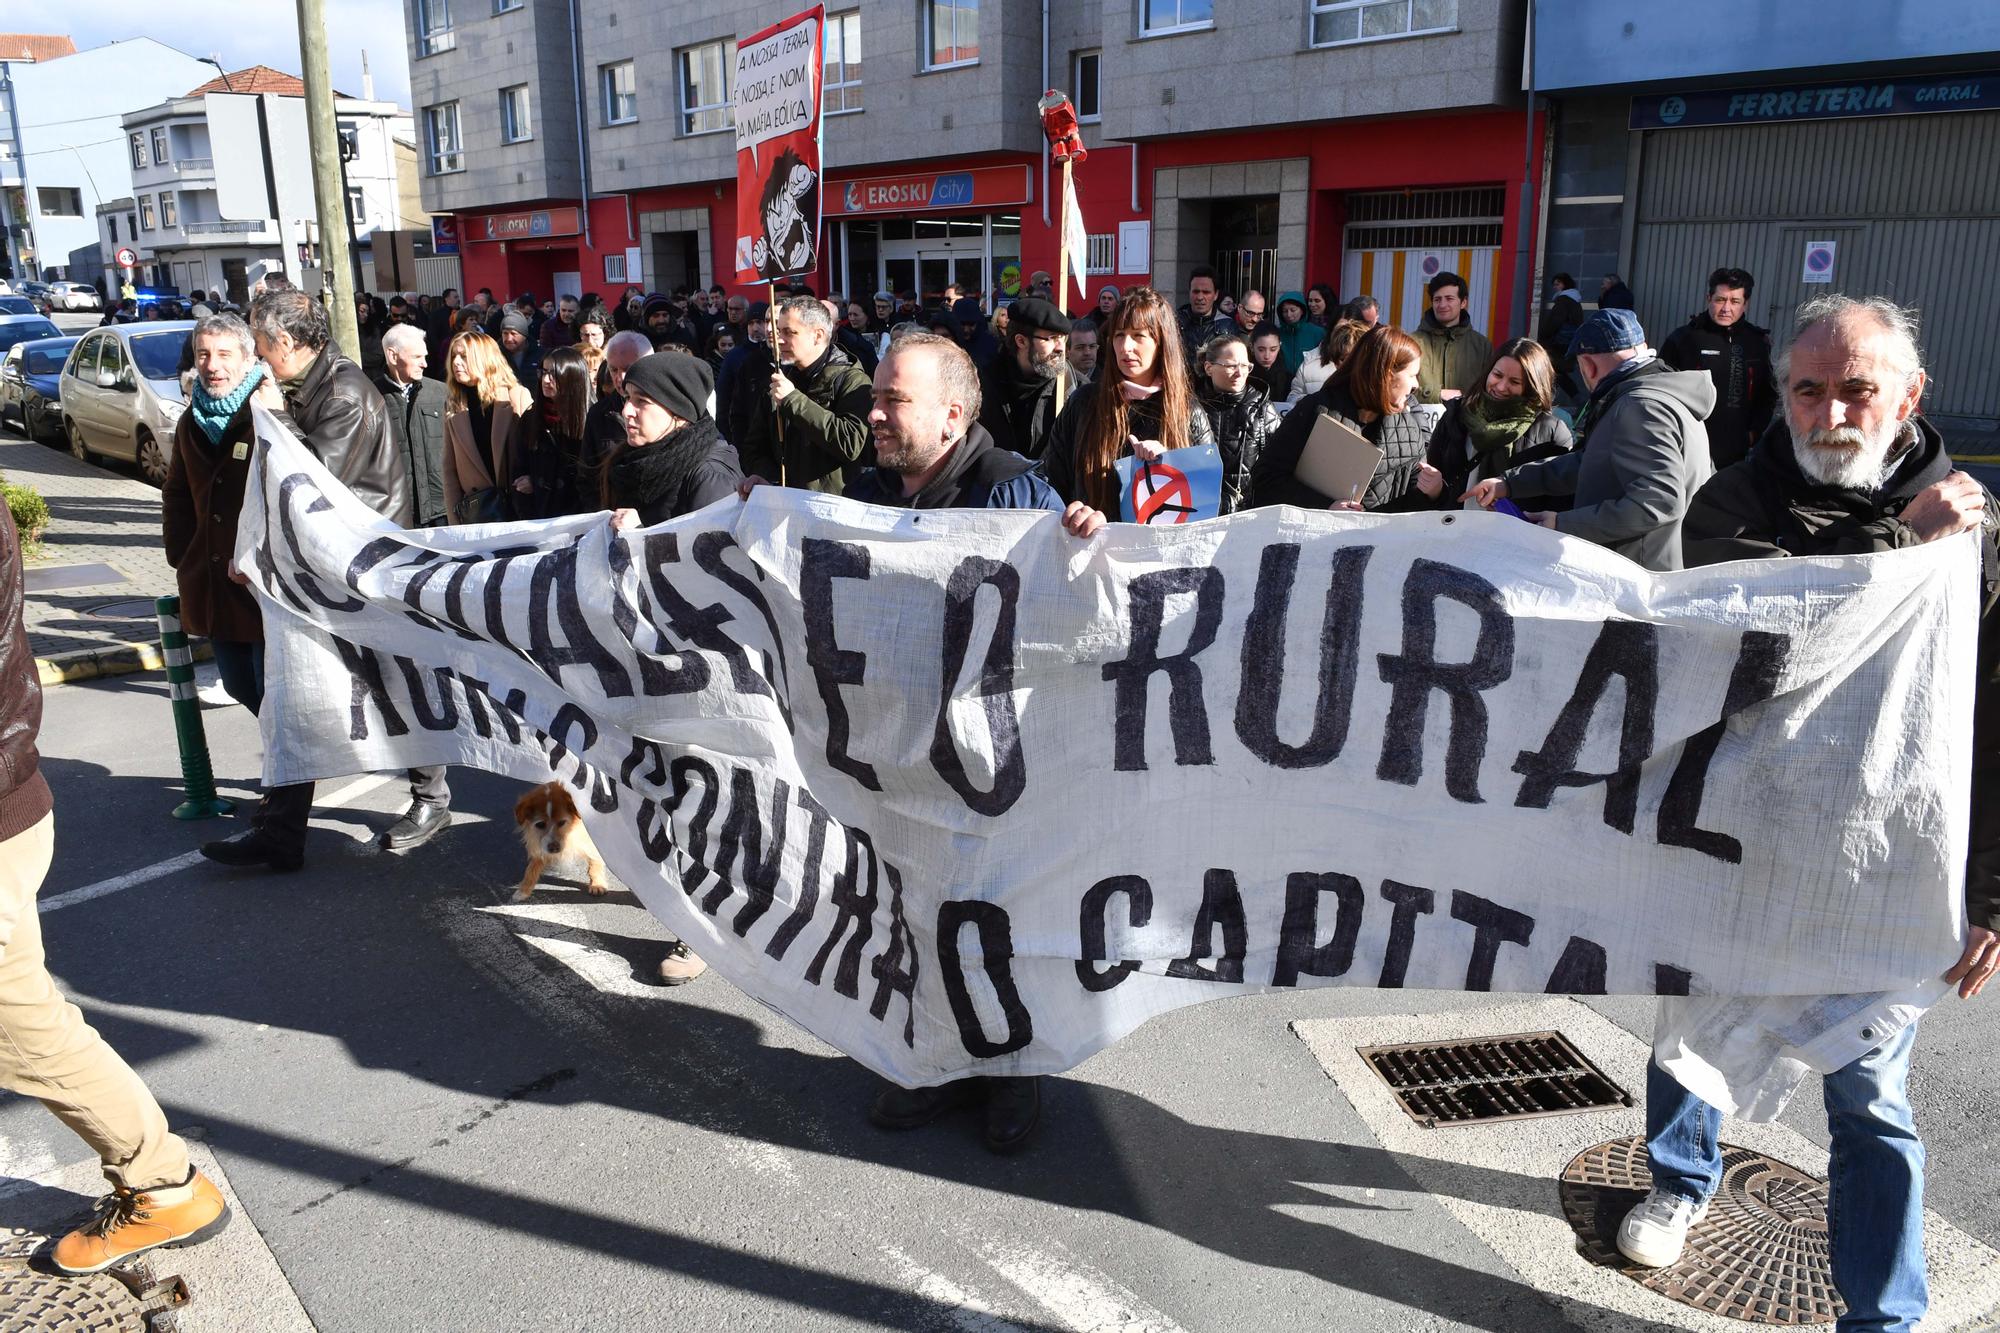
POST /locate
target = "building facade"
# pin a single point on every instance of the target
(1280, 141)
(222, 179)
(62, 150)
(1840, 146)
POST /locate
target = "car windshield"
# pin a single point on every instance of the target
(158, 355)
(47, 360)
(23, 330)
(17, 305)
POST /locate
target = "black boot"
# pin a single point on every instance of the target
(419, 824)
(1013, 1109)
(907, 1108)
(255, 848)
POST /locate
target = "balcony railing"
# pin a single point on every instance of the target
(195, 165)
(222, 228)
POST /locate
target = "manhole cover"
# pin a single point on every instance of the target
(1492, 1078)
(127, 1302)
(1760, 1254)
(139, 610)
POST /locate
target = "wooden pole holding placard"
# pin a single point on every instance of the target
(1062, 270)
(778, 360)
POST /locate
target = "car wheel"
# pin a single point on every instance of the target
(31, 422)
(152, 462)
(77, 448)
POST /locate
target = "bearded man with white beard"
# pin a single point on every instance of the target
(1849, 467)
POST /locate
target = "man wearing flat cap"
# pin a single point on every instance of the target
(1018, 387)
(1641, 449)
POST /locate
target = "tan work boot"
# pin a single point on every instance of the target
(130, 1222)
(680, 966)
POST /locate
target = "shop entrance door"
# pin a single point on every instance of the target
(938, 268)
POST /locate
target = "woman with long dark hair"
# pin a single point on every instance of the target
(1142, 402)
(1239, 413)
(1322, 305)
(1372, 394)
(1509, 420)
(549, 482)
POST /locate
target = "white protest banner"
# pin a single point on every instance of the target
(962, 794)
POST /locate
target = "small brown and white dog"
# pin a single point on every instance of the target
(551, 829)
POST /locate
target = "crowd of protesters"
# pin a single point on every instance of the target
(651, 406)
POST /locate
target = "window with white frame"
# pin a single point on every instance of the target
(1083, 68)
(620, 83)
(357, 205)
(59, 201)
(434, 27)
(614, 268)
(1104, 253)
(442, 149)
(840, 81)
(139, 158)
(170, 213)
(1163, 16)
(1338, 21)
(514, 127)
(159, 145)
(951, 32)
(704, 81)
(146, 212)
(506, 6)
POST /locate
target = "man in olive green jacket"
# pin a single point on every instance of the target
(1456, 355)
(810, 430)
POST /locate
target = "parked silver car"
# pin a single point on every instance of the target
(121, 393)
(74, 296)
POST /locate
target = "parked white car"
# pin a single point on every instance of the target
(121, 393)
(74, 296)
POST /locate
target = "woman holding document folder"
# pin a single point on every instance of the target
(1370, 395)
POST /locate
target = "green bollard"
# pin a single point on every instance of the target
(197, 779)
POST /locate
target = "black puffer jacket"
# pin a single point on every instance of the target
(1241, 423)
(1401, 437)
(1765, 507)
(1738, 358)
(341, 417)
(1450, 451)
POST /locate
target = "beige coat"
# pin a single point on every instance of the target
(464, 470)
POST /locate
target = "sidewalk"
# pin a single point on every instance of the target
(90, 597)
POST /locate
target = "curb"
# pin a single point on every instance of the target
(122, 659)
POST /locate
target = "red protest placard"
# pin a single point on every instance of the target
(777, 148)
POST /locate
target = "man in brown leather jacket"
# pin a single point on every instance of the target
(337, 412)
(47, 1051)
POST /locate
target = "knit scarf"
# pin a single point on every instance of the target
(1135, 391)
(1496, 427)
(642, 477)
(213, 414)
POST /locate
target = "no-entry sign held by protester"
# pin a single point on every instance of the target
(777, 149)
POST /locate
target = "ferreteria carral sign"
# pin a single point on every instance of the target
(1816, 101)
(962, 794)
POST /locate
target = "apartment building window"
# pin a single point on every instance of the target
(441, 142)
(705, 105)
(1103, 257)
(514, 127)
(1338, 21)
(621, 92)
(1164, 16)
(840, 84)
(951, 33)
(139, 158)
(357, 205)
(434, 27)
(1083, 80)
(111, 223)
(160, 145)
(56, 201)
(146, 212)
(170, 213)
(506, 6)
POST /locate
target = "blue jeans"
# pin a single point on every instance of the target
(1875, 1178)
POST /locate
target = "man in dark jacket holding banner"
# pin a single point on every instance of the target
(1850, 468)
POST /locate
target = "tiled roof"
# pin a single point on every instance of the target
(256, 79)
(34, 46)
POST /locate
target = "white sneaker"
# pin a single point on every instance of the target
(1655, 1232)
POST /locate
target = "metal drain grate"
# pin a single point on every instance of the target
(122, 1300)
(1760, 1255)
(1485, 1079)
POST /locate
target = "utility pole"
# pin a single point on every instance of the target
(324, 136)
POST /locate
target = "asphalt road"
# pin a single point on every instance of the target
(446, 1112)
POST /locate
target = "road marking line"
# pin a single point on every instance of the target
(173, 865)
(1085, 1301)
(967, 1310)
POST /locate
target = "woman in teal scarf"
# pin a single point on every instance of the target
(1508, 421)
(1296, 336)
